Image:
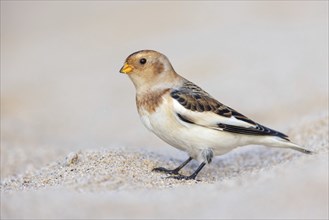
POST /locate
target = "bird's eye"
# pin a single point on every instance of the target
(142, 61)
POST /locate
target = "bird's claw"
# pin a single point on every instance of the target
(182, 177)
(164, 170)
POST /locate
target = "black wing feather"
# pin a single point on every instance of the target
(258, 130)
(194, 98)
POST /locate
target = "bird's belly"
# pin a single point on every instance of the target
(188, 137)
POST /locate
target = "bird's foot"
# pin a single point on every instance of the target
(191, 177)
(164, 170)
(182, 177)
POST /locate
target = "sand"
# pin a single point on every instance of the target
(72, 145)
(119, 183)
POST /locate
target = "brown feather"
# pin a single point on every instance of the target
(151, 100)
(194, 98)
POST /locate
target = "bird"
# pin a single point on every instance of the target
(188, 118)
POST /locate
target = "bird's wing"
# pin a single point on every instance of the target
(195, 106)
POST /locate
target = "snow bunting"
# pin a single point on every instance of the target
(188, 118)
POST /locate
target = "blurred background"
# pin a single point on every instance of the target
(61, 89)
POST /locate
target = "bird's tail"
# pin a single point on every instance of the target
(285, 143)
(300, 149)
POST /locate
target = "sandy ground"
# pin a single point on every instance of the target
(72, 145)
(118, 183)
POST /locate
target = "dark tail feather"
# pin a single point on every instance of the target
(302, 150)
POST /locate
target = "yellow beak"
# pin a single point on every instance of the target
(126, 68)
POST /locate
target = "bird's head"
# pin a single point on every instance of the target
(148, 68)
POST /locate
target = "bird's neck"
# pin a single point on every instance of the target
(158, 84)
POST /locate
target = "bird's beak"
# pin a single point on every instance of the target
(126, 68)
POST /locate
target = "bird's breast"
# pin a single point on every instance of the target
(150, 101)
(146, 119)
(157, 117)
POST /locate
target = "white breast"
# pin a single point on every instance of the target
(145, 118)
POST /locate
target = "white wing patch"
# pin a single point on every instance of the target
(207, 118)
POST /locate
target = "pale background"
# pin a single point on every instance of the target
(61, 90)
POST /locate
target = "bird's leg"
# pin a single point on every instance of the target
(207, 155)
(191, 177)
(174, 171)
